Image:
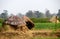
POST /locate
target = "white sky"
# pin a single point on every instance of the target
(22, 6)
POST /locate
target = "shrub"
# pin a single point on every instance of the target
(1, 20)
(40, 20)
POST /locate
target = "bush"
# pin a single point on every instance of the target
(59, 19)
(40, 20)
(1, 20)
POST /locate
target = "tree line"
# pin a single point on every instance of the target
(32, 14)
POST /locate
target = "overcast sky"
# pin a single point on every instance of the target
(22, 6)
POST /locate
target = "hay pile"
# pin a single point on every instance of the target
(16, 28)
(54, 19)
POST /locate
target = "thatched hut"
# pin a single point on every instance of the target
(16, 23)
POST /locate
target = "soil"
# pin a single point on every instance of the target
(44, 33)
(29, 34)
(14, 35)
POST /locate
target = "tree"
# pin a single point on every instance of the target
(30, 14)
(48, 15)
(42, 15)
(4, 14)
(38, 14)
(58, 13)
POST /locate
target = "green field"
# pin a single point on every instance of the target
(52, 26)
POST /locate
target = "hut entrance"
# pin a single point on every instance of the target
(29, 24)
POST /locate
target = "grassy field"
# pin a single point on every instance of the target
(52, 26)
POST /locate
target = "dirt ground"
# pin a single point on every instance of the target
(29, 34)
(45, 33)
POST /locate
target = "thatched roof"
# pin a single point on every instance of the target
(15, 20)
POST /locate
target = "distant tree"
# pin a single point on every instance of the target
(47, 13)
(42, 15)
(4, 14)
(38, 14)
(58, 13)
(30, 14)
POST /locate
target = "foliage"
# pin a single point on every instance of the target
(30, 14)
(4, 15)
(48, 15)
(58, 14)
(40, 20)
(0, 24)
(1, 20)
(59, 19)
(34, 14)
